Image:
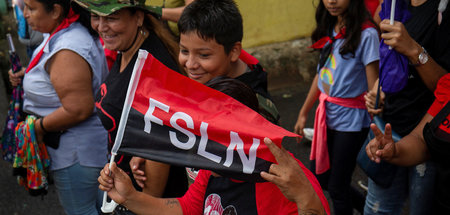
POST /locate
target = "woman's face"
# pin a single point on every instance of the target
(336, 7)
(119, 29)
(38, 18)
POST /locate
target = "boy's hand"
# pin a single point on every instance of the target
(382, 146)
(137, 165)
(116, 182)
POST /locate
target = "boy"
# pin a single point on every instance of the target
(210, 45)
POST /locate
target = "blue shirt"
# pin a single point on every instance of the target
(85, 143)
(345, 77)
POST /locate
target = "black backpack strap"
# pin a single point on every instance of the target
(441, 116)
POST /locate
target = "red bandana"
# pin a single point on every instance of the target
(324, 40)
(71, 18)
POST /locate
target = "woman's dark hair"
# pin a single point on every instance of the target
(213, 20)
(236, 89)
(169, 41)
(85, 16)
(354, 18)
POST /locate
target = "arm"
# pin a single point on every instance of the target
(372, 71)
(410, 150)
(157, 175)
(371, 97)
(173, 14)
(292, 181)
(398, 38)
(376, 15)
(71, 76)
(372, 74)
(120, 189)
(313, 94)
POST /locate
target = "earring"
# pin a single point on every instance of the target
(142, 31)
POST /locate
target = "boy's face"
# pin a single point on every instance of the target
(203, 59)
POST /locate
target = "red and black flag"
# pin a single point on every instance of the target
(175, 120)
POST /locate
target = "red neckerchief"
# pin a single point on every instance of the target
(71, 18)
(324, 40)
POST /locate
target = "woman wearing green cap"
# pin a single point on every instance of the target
(127, 26)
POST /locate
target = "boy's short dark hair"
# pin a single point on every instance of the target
(213, 19)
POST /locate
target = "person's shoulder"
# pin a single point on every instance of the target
(79, 31)
(248, 58)
(442, 95)
(442, 91)
(369, 31)
(75, 36)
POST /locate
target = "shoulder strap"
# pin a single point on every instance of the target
(268, 109)
(445, 111)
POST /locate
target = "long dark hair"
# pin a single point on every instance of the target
(169, 41)
(85, 16)
(354, 18)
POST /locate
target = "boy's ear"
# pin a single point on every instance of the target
(236, 51)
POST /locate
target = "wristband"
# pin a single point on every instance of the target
(42, 125)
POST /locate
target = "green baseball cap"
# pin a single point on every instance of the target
(107, 7)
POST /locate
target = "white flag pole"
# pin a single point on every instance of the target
(108, 207)
(392, 18)
(12, 49)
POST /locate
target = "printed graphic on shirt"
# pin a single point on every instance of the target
(98, 105)
(326, 73)
(231, 196)
(445, 127)
(213, 206)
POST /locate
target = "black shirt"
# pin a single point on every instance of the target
(110, 101)
(405, 109)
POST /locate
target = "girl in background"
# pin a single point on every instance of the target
(348, 67)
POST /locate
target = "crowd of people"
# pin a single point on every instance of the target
(76, 85)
